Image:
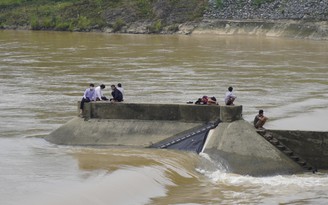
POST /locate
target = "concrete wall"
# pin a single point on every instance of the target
(311, 146)
(139, 111)
(244, 151)
(133, 124)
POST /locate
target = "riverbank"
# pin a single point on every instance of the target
(279, 18)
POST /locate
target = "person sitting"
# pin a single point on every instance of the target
(259, 120)
(99, 94)
(120, 88)
(212, 101)
(229, 97)
(202, 101)
(89, 95)
(117, 95)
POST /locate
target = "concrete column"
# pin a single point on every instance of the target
(231, 113)
(87, 111)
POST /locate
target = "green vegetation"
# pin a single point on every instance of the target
(219, 3)
(86, 15)
(118, 25)
(258, 3)
(156, 27)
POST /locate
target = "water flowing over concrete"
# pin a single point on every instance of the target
(246, 152)
(233, 140)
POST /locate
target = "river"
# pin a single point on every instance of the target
(44, 74)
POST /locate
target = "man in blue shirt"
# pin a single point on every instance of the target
(89, 95)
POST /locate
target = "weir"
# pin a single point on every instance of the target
(219, 131)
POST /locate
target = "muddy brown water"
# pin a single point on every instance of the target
(44, 74)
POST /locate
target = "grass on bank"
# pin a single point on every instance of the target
(85, 15)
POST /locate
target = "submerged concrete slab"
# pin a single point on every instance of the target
(114, 132)
(246, 152)
(133, 124)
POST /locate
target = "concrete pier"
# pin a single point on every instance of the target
(233, 140)
(132, 124)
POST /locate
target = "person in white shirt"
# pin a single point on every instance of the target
(120, 88)
(99, 94)
(229, 97)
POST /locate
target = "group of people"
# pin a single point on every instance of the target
(96, 94)
(229, 99)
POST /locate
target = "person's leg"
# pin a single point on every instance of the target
(258, 125)
(230, 101)
(104, 98)
(82, 104)
(261, 122)
(264, 119)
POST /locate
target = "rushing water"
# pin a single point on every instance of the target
(43, 75)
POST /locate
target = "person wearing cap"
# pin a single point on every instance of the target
(89, 95)
(259, 120)
(99, 94)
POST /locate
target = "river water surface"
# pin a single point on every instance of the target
(44, 74)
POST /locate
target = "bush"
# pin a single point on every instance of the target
(156, 27)
(64, 26)
(83, 23)
(119, 23)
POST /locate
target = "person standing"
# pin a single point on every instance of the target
(117, 95)
(89, 95)
(259, 120)
(99, 94)
(229, 97)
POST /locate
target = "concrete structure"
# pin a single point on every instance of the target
(131, 124)
(234, 141)
(246, 152)
(312, 146)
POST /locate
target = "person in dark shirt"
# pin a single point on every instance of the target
(260, 120)
(117, 95)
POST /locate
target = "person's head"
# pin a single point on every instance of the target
(102, 86)
(113, 87)
(91, 86)
(230, 89)
(260, 112)
(119, 85)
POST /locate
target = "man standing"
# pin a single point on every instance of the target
(260, 120)
(229, 97)
(89, 95)
(99, 94)
(117, 95)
